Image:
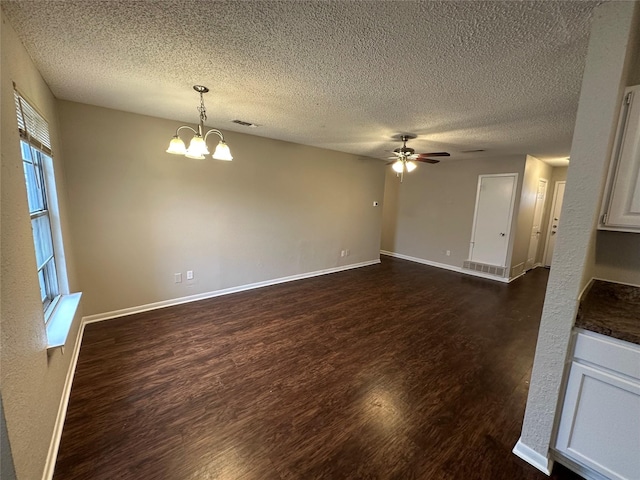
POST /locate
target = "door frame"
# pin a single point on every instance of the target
(553, 207)
(511, 208)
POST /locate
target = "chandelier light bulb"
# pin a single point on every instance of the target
(177, 146)
(197, 148)
(398, 166)
(222, 152)
(411, 166)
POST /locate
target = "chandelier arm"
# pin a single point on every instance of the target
(188, 127)
(217, 132)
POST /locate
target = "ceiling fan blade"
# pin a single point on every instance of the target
(427, 160)
(391, 162)
(434, 154)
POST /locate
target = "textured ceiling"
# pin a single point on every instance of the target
(343, 75)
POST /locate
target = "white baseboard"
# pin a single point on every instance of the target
(446, 267)
(52, 454)
(216, 293)
(585, 472)
(529, 455)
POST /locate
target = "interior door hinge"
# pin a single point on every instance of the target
(603, 219)
(627, 99)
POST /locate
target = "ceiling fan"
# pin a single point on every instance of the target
(405, 158)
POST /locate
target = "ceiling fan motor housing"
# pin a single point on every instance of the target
(405, 150)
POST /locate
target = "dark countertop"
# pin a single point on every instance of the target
(611, 309)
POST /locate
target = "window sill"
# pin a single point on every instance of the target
(61, 319)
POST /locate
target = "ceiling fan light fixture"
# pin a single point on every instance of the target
(406, 159)
(398, 166)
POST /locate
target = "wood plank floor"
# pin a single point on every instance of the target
(392, 371)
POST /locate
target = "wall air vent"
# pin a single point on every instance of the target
(496, 270)
(245, 124)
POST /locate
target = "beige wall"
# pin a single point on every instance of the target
(32, 381)
(139, 215)
(432, 210)
(533, 171)
(574, 257)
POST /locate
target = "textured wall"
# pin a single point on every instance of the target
(139, 215)
(32, 381)
(432, 210)
(533, 171)
(596, 120)
(7, 470)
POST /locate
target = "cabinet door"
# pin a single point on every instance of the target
(600, 422)
(624, 203)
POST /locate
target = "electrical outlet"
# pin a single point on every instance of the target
(189, 274)
(177, 277)
(448, 253)
(342, 253)
(346, 252)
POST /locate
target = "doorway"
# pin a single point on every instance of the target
(492, 219)
(536, 229)
(554, 221)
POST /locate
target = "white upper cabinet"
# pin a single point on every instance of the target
(621, 206)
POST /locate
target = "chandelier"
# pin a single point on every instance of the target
(198, 144)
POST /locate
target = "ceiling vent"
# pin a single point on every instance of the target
(245, 124)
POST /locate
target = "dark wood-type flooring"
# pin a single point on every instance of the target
(392, 371)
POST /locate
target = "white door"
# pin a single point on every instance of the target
(554, 221)
(492, 220)
(536, 229)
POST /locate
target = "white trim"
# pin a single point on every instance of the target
(216, 293)
(577, 467)
(447, 267)
(61, 320)
(615, 281)
(529, 455)
(52, 454)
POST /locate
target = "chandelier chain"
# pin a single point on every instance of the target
(202, 109)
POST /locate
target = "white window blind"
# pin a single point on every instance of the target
(33, 128)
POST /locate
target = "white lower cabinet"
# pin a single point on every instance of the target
(599, 426)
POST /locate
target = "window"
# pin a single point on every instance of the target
(36, 153)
